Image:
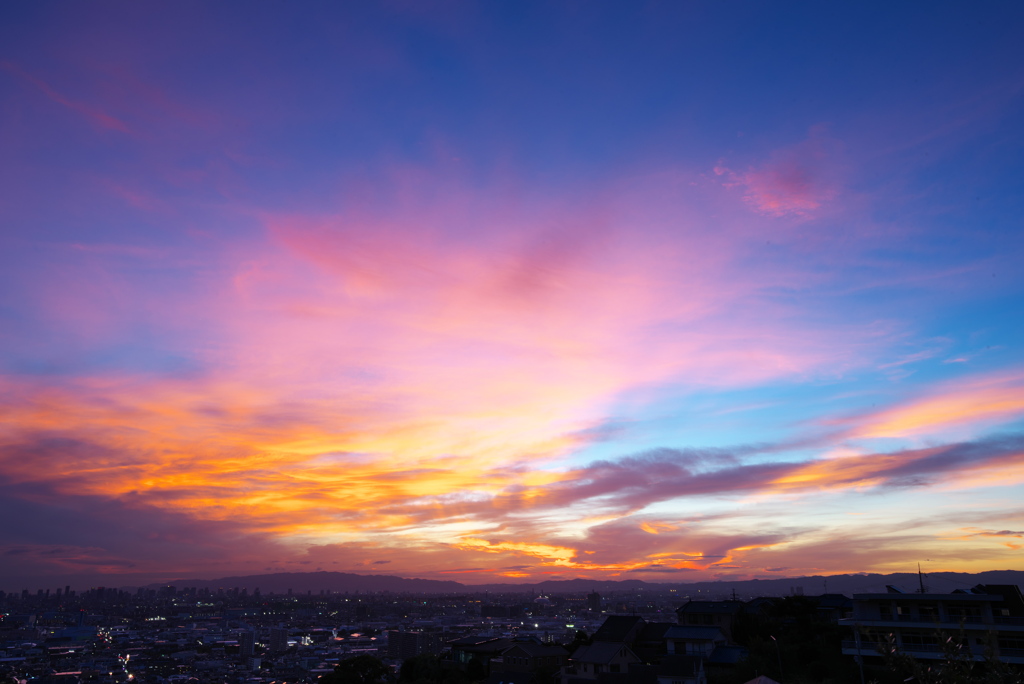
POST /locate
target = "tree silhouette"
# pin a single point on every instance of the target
(363, 669)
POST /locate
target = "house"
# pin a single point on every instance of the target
(590, 661)
(833, 607)
(511, 678)
(682, 669)
(649, 644)
(694, 641)
(481, 649)
(720, 614)
(531, 656)
(621, 629)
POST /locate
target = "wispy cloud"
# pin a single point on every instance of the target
(794, 181)
(972, 403)
(95, 116)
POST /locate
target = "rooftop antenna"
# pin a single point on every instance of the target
(920, 578)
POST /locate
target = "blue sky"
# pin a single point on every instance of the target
(508, 291)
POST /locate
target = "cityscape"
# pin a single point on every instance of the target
(511, 342)
(643, 634)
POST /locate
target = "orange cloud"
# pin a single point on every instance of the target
(973, 403)
(1003, 536)
(414, 380)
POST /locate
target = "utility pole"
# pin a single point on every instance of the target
(860, 658)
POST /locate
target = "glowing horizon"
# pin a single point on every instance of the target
(504, 294)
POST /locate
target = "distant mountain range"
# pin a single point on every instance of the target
(304, 582)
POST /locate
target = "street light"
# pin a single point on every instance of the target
(778, 653)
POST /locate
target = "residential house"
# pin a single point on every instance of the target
(481, 649)
(620, 629)
(694, 641)
(531, 656)
(720, 614)
(682, 669)
(590, 661)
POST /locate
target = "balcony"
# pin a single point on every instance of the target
(1009, 620)
(966, 619)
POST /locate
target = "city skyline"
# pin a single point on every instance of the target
(510, 291)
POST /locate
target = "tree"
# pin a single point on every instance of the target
(421, 668)
(476, 670)
(579, 639)
(957, 666)
(364, 669)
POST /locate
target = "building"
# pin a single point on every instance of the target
(589, 662)
(622, 629)
(694, 641)
(480, 649)
(405, 645)
(991, 617)
(682, 669)
(278, 639)
(531, 656)
(246, 644)
(650, 642)
(720, 614)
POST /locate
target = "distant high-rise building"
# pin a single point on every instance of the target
(278, 639)
(247, 644)
(594, 601)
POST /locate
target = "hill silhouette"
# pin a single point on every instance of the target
(304, 582)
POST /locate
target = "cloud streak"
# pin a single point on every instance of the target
(95, 116)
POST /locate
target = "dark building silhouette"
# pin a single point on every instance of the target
(278, 639)
(988, 621)
(246, 644)
(405, 645)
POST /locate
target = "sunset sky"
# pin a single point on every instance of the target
(510, 291)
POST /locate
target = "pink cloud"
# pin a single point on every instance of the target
(417, 363)
(795, 181)
(433, 322)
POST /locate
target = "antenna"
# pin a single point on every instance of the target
(920, 578)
